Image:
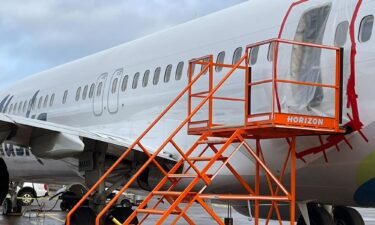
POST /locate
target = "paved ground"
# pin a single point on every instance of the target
(57, 217)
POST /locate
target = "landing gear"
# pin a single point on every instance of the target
(317, 216)
(120, 214)
(347, 216)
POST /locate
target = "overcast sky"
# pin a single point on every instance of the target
(37, 35)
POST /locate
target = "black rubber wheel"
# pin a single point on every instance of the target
(121, 214)
(317, 216)
(347, 216)
(27, 197)
(7, 206)
(83, 216)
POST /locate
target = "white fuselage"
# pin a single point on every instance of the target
(126, 113)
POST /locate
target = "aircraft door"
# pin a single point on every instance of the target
(114, 91)
(99, 94)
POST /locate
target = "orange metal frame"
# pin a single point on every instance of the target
(207, 129)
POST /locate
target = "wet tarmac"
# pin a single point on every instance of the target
(56, 217)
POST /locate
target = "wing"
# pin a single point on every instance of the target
(55, 141)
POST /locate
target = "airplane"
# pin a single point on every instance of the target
(83, 114)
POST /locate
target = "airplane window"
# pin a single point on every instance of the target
(365, 29)
(46, 101)
(78, 93)
(237, 55)
(220, 60)
(270, 52)
(114, 85)
(180, 67)
(92, 90)
(51, 100)
(254, 55)
(192, 70)
(145, 78)
(65, 96)
(202, 67)
(124, 84)
(99, 90)
(167, 75)
(24, 106)
(156, 76)
(20, 107)
(341, 33)
(135, 80)
(40, 102)
(15, 108)
(84, 94)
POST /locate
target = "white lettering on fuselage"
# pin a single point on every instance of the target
(10, 150)
(305, 120)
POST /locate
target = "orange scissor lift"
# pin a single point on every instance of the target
(196, 170)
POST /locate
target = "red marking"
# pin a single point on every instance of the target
(287, 15)
(279, 36)
(355, 123)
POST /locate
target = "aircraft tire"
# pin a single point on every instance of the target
(347, 216)
(83, 216)
(318, 216)
(7, 206)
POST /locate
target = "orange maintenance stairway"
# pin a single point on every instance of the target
(265, 116)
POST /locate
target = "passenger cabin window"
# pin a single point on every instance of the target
(220, 60)
(65, 97)
(40, 102)
(135, 80)
(145, 78)
(24, 106)
(167, 75)
(78, 94)
(237, 55)
(20, 107)
(341, 33)
(46, 101)
(114, 85)
(124, 83)
(156, 76)
(92, 90)
(206, 60)
(99, 90)
(254, 55)
(365, 29)
(270, 52)
(51, 100)
(84, 94)
(180, 67)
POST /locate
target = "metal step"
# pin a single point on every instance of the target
(171, 193)
(188, 175)
(207, 158)
(155, 211)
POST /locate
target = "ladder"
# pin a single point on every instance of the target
(224, 141)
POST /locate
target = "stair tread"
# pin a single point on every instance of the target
(206, 158)
(154, 211)
(183, 175)
(174, 193)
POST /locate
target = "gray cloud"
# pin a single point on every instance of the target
(37, 35)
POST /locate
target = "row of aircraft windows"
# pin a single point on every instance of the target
(23, 106)
(340, 38)
(365, 33)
